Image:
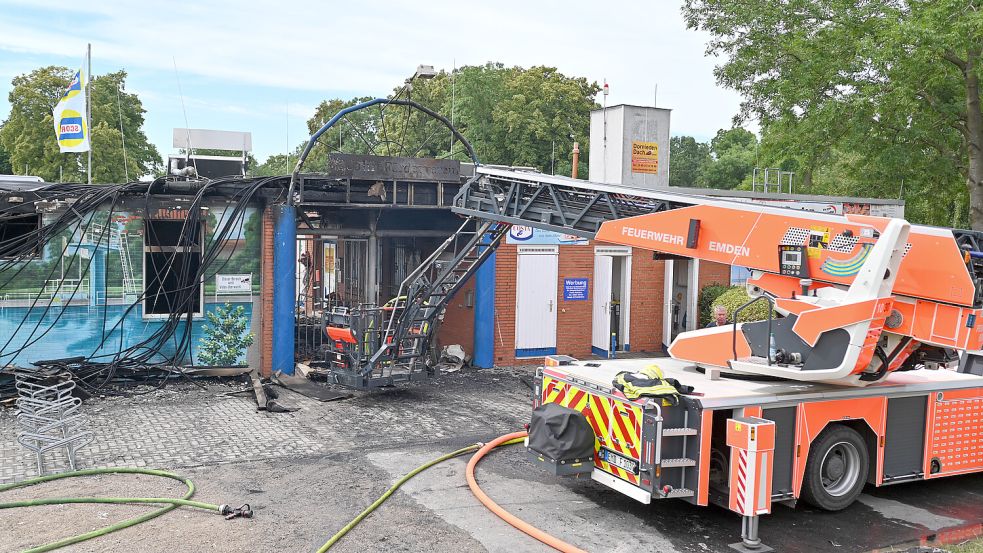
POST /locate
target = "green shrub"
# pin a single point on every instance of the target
(708, 295)
(738, 296)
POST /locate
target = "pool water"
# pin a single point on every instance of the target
(78, 330)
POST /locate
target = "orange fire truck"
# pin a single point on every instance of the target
(867, 373)
(867, 369)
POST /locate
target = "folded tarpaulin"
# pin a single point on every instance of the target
(560, 433)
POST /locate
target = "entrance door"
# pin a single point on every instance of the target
(612, 300)
(601, 334)
(535, 301)
(681, 294)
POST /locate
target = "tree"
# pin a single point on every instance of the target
(894, 81)
(731, 161)
(687, 157)
(511, 116)
(28, 134)
(5, 167)
(275, 165)
(543, 107)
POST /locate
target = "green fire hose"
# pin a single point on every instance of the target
(169, 503)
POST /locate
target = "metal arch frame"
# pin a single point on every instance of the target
(338, 116)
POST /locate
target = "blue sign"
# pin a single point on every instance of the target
(575, 289)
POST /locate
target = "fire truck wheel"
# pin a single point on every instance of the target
(836, 470)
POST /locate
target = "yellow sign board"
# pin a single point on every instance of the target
(644, 157)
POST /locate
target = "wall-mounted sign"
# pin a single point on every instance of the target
(644, 157)
(575, 289)
(519, 234)
(394, 168)
(226, 284)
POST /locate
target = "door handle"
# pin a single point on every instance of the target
(551, 306)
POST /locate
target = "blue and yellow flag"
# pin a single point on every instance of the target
(71, 123)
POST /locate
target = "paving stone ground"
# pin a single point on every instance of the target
(187, 426)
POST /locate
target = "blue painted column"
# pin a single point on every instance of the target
(284, 287)
(484, 314)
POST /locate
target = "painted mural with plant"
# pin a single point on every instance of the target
(225, 336)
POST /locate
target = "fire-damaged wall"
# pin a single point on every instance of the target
(106, 284)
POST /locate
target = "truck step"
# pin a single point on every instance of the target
(679, 432)
(679, 492)
(681, 462)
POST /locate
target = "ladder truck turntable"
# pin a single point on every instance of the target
(869, 373)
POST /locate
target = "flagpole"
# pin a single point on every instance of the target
(88, 106)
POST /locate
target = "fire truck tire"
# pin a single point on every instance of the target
(836, 470)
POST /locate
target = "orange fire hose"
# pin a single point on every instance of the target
(529, 529)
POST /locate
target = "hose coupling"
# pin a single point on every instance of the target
(230, 512)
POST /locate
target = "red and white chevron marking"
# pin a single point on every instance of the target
(741, 479)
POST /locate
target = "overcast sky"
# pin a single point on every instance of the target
(260, 66)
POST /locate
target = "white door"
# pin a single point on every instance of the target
(535, 301)
(601, 335)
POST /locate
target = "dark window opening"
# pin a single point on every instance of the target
(19, 236)
(172, 257)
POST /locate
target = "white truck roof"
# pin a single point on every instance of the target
(738, 392)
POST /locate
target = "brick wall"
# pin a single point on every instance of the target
(458, 325)
(266, 294)
(714, 273)
(505, 273)
(647, 298)
(574, 319)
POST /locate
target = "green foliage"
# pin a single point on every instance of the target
(225, 336)
(28, 136)
(708, 295)
(511, 116)
(277, 164)
(688, 157)
(5, 167)
(725, 163)
(861, 95)
(737, 296)
(732, 154)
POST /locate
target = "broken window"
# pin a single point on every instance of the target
(19, 236)
(172, 252)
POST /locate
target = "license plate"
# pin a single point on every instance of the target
(619, 461)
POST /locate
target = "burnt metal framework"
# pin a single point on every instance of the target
(560, 204)
(381, 181)
(400, 349)
(492, 201)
